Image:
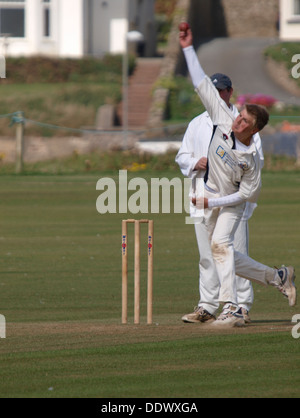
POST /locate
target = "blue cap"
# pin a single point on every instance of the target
(221, 81)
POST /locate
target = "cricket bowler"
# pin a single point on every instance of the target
(233, 178)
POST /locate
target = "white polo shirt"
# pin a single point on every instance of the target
(196, 143)
(195, 146)
(230, 170)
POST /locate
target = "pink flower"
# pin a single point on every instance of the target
(259, 99)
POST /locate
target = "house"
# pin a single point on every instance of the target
(290, 20)
(74, 28)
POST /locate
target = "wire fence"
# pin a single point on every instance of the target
(163, 131)
(125, 138)
(19, 117)
(172, 132)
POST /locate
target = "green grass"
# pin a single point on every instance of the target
(60, 285)
(283, 52)
(133, 161)
(99, 162)
(72, 105)
(63, 92)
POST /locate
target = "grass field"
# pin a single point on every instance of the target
(60, 291)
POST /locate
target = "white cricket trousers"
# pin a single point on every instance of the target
(245, 293)
(209, 283)
(222, 225)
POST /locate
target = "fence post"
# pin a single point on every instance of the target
(19, 120)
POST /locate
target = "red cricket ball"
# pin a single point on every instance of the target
(183, 27)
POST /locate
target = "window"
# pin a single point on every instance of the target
(12, 18)
(297, 7)
(46, 18)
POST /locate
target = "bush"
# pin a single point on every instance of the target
(184, 104)
(40, 69)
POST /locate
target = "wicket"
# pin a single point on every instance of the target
(137, 224)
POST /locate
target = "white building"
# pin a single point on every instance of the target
(73, 28)
(290, 20)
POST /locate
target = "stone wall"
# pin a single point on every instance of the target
(234, 18)
(43, 149)
(251, 18)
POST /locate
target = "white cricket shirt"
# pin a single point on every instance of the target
(231, 171)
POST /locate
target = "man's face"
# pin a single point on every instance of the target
(244, 125)
(226, 95)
